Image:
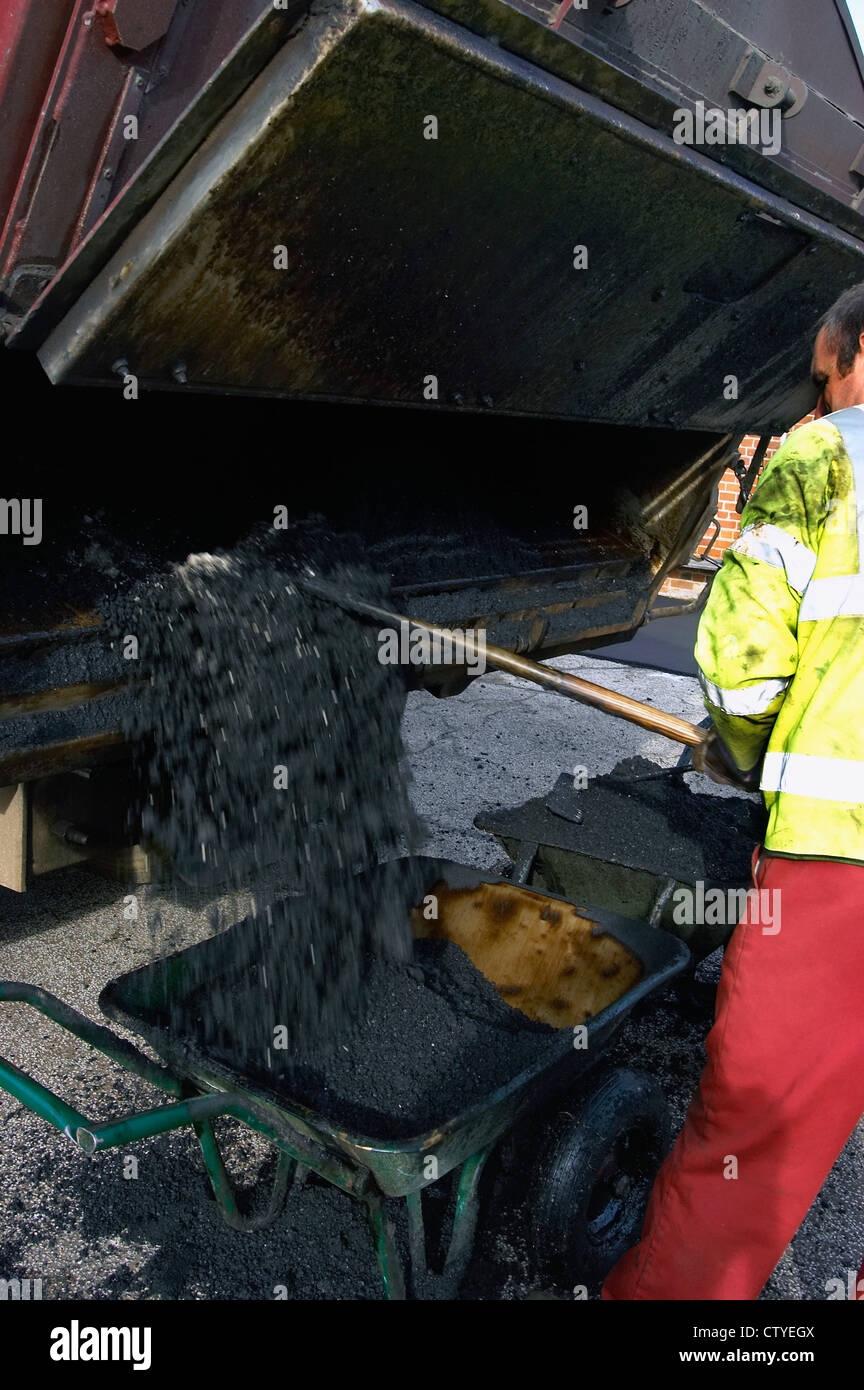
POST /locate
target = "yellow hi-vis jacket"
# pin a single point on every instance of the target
(781, 641)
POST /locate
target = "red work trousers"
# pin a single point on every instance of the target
(782, 1090)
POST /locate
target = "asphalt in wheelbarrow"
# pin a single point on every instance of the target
(433, 1037)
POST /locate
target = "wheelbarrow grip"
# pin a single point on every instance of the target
(118, 1049)
(51, 1107)
(91, 1137)
(192, 1108)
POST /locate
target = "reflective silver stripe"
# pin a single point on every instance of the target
(776, 547)
(843, 596)
(825, 779)
(750, 699)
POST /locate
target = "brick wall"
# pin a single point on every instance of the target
(685, 583)
(730, 522)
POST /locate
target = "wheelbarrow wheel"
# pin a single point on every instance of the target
(593, 1177)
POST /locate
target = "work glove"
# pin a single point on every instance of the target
(714, 759)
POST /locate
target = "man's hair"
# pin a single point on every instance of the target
(844, 324)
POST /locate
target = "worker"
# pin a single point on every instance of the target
(780, 649)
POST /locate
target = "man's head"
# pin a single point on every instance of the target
(837, 368)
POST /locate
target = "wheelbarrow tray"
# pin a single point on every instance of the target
(146, 999)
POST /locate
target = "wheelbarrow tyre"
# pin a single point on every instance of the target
(593, 1177)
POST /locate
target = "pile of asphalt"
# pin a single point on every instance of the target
(640, 816)
(429, 1038)
(672, 820)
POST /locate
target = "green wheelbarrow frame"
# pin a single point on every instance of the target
(365, 1168)
(198, 1108)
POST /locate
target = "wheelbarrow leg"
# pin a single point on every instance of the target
(389, 1263)
(465, 1217)
(461, 1237)
(416, 1240)
(223, 1189)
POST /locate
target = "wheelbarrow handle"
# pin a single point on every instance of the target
(88, 1136)
(129, 1057)
(145, 1123)
(40, 1100)
(189, 1108)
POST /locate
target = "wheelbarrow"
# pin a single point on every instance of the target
(524, 950)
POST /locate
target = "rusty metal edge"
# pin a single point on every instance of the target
(28, 764)
(60, 697)
(216, 97)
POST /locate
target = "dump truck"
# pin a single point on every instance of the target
(494, 286)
